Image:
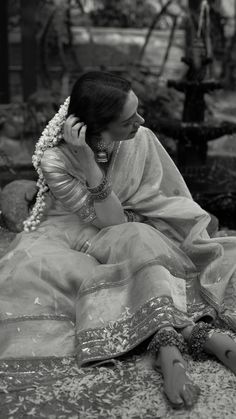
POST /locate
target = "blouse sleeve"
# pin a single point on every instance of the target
(71, 192)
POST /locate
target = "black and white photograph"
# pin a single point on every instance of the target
(117, 209)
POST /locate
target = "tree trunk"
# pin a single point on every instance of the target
(4, 74)
(29, 47)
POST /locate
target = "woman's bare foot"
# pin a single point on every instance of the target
(221, 345)
(178, 386)
(224, 348)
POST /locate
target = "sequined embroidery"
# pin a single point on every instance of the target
(120, 336)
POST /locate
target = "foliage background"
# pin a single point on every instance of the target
(61, 27)
(56, 24)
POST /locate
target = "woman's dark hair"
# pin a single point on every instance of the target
(97, 99)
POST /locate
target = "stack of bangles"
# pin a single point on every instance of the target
(102, 191)
(132, 217)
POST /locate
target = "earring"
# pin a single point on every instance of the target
(102, 151)
(101, 154)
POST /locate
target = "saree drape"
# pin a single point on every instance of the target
(69, 288)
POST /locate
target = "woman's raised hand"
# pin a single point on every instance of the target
(74, 132)
(74, 136)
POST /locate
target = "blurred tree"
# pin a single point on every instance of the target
(228, 71)
(4, 82)
(29, 47)
(55, 42)
(122, 13)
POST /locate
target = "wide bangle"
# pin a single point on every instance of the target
(100, 187)
(166, 337)
(131, 216)
(102, 191)
(100, 196)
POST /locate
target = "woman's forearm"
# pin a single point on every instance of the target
(109, 211)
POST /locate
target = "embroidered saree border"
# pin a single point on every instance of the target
(124, 334)
(7, 318)
(222, 312)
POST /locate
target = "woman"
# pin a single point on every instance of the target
(122, 255)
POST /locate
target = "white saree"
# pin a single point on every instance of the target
(69, 288)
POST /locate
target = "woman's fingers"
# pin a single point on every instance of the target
(72, 130)
(75, 129)
(70, 121)
(82, 133)
(74, 135)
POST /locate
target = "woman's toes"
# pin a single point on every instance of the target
(190, 394)
(175, 400)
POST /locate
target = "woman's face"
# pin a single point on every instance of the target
(127, 125)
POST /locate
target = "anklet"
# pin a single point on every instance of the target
(198, 338)
(166, 338)
(200, 334)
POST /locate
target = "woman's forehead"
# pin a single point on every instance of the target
(130, 107)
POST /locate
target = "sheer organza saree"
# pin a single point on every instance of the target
(71, 289)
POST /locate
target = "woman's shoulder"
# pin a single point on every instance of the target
(147, 133)
(151, 143)
(147, 137)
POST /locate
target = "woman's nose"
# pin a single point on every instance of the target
(139, 121)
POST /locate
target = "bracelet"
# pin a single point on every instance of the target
(131, 216)
(98, 188)
(166, 337)
(100, 196)
(102, 191)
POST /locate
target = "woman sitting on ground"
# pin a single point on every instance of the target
(121, 255)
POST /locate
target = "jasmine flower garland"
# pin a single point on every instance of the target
(51, 136)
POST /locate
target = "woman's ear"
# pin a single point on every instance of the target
(106, 137)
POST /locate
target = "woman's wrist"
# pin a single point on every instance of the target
(102, 191)
(93, 174)
(132, 216)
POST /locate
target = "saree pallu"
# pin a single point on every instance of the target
(69, 288)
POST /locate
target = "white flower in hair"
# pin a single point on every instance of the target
(51, 136)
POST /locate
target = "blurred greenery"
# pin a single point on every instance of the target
(123, 13)
(106, 13)
(57, 18)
